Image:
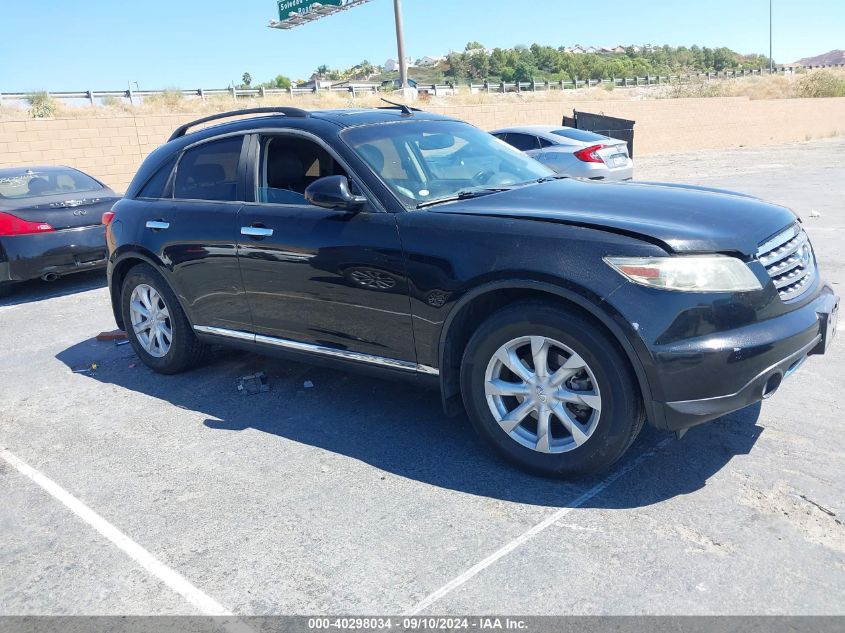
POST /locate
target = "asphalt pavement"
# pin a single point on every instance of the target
(126, 492)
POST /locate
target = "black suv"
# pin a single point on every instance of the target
(560, 314)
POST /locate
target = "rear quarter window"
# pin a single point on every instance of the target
(155, 186)
(209, 171)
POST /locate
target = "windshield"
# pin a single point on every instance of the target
(425, 161)
(32, 184)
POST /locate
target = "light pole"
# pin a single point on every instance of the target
(400, 44)
(771, 60)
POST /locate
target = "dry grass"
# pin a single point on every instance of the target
(816, 83)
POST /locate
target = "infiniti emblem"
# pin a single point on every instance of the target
(805, 256)
(541, 395)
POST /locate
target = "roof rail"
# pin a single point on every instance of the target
(292, 112)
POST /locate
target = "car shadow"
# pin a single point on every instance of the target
(400, 428)
(37, 290)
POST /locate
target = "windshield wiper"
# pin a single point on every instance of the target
(462, 195)
(550, 178)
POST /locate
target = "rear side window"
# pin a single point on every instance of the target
(155, 185)
(209, 171)
(544, 142)
(523, 142)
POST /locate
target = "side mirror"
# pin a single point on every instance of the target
(332, 192)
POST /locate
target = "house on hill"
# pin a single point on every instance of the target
(428, 62)
(392, 65)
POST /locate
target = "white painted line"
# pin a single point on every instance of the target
(476, 569)
(204, 603)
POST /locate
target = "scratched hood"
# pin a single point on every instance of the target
(683, 219)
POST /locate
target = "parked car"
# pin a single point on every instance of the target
(571, 152)
(396, 84)
(557, 313)
(50, 223)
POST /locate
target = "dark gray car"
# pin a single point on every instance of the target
(50, 223)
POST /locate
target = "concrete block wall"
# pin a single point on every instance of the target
(111, 148)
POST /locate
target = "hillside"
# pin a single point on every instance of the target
(831, 57)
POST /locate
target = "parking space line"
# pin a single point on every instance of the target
(476, 569)
(204, 603)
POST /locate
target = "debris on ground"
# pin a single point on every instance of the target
(113, 335)
(815, 214)
(308, 384)
(123, 342)
(255, 383)
(827, 511)
(86, 369)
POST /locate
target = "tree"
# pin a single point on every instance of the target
(458, 65)
(545, 62)
(523, 71)
(366, 69)
(498, 61)
(322, 70)
(247, 79)
(280, 81)
(478, 65)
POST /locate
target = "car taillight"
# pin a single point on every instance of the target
(108, 216)
(12, 225)
(590, 154)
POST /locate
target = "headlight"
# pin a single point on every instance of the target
(691, 273)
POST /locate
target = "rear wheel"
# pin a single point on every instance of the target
(548, 390)
(156, 326)
(5, 289)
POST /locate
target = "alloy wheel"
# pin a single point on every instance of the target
(543, 394)
(151, 320)
(374, 279)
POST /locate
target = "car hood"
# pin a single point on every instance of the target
(681, 219)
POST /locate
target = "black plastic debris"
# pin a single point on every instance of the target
(251, 385)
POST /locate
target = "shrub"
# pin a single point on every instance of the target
(170, 98)
(821, 83)
(41, 105)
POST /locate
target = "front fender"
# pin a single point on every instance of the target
(624, 334)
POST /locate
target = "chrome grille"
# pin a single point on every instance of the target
(788, 258)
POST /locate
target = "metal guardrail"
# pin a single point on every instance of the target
(354, 89)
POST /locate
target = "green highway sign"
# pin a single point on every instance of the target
(290, 8)
(293, 13)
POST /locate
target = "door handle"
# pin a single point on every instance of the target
(158, 225)
(256, 231)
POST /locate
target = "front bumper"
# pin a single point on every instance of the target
(24, 257)
(735, 369)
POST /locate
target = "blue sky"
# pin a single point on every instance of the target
(103, 44)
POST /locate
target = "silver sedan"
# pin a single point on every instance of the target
(571, 152)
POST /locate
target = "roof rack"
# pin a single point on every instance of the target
(292, 112)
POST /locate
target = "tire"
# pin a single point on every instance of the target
(178, 353)
(598, 395)
(5, 289)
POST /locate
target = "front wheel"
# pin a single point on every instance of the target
(549, 390)
(155, 324)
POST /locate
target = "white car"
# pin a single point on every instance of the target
(571, 152)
